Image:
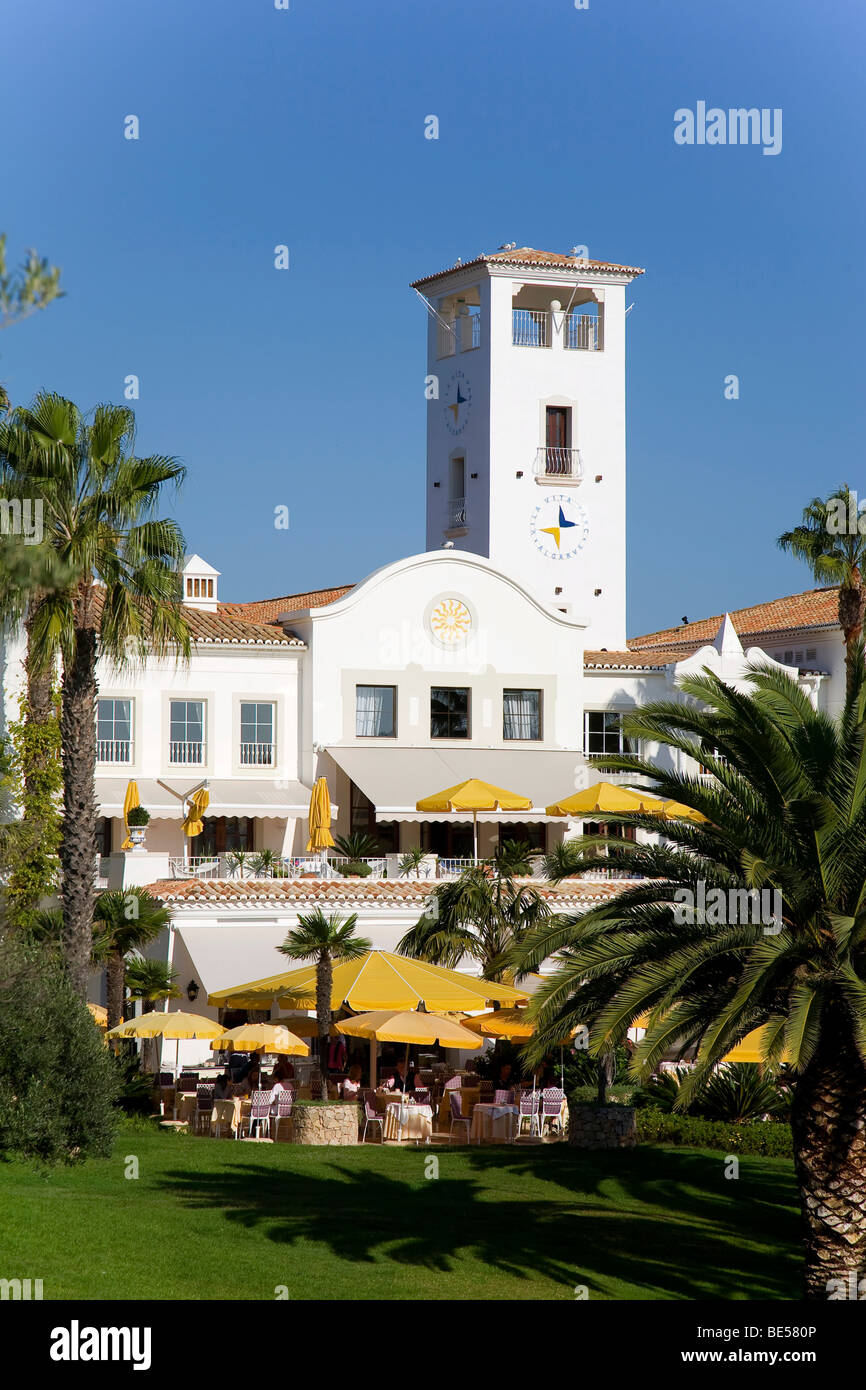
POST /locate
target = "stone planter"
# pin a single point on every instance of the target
(325, 1124)
(602, 1127)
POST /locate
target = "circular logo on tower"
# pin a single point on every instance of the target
(449, 620)
(456, 402)
(559, 527)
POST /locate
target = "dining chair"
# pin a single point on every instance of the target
(281, 1109)
(203, 1109)
(457, 1117)
(260, 1112)
(551, 1108)
(372, 1117)
(529, 1103)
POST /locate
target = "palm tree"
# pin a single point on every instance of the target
(786, 813)
(482, 914)
(122, 602)
(836, 554)
(124, 922)
(327, 940)
(151, 981)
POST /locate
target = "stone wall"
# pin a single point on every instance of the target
(602, 1126)
(325, 1124)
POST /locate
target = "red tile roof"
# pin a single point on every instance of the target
(207, 628)
(814, 608)
(527, 256)
(640, 661)
(267, 610)
(393, 892)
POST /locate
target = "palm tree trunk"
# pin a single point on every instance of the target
(114, 988)
(852, 605)
(324, 982)
(829, 1128)
(78, 845)
(605, 1076)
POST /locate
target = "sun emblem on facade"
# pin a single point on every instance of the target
(450, 620)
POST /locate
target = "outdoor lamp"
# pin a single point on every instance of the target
(192, 991)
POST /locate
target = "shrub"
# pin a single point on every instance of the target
(770, 1138)
(355, 868)
(138, 816)
(736, 1092)
(616, 1095)
(58, 1081)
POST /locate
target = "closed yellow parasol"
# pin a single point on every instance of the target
(130, 802)
(320, 817)
(198, 804)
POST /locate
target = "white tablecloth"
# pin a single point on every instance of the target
(408, 1121)
(493, 1122)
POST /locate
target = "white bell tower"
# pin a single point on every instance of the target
(526, 425)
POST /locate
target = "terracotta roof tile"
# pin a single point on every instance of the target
(397, 893)
(641, 661)
(208, 628)
(528, 256)
(814, 608)
(267, 610)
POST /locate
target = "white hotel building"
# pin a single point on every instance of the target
(499, 653)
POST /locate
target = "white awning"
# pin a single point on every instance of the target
(395, 779)
(223, 956)
(229, 796)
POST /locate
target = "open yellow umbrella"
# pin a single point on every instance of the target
(320, 817)
(607, 798)
(408, 1026)
(99, 1015)
(748, 1049)
(198, 804)
(175, 1025)
(502, 1023)
(130, 802)
(262, 1037)
(474, 795)
(376, 980)
(305, 1027)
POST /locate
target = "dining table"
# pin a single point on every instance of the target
(469, 1098)
(405, 1120)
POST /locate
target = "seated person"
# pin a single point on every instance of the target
(352, 1085)
(252, 1080)
(283, 1071)
(222, 1085)
(505, 1079)
(404, 1079)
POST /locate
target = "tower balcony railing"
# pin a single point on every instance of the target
(582, 332)
(457, 512)
(446, 339)
(530, 328)
(553, 461)
(470, 332)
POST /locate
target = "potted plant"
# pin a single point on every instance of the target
(137, 819)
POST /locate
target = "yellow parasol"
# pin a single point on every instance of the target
(168, 1025)
(304, 1027)
(99, 1015)
(502, 1023)
(130, 802)
(474, 795)
(748, 1049)
(408, 1026)
(376, 980)
(262, 1037)
(320, 817)
(198, 804)
(607, 798)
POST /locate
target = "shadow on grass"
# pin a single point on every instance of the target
(665, 1223)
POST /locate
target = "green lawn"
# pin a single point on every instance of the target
(209, 1219)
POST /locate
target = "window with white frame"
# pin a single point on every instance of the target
(257, 734)
(375, 711)
(521, 714)
(603, 734)
(186, 732)
(114, 731)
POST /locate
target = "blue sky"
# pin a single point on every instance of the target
(305, 127)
